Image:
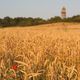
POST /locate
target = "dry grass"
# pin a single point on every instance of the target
(47, 52)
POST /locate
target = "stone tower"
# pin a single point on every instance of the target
(63, 12)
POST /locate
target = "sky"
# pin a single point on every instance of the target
(38, 8)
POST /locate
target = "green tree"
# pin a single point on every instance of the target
(7, 21)
(54, 19)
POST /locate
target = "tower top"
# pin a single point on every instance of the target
(63, 12)
(63, 8)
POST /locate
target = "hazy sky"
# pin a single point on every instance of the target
(38, 8)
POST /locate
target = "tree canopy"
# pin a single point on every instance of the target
(23, 21)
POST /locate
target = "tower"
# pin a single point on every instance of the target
(63, 12)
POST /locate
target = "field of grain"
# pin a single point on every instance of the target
(45, 52)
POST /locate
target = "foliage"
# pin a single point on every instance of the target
(22, 21)
(55, 19)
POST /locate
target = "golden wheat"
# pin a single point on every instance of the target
(47, 52)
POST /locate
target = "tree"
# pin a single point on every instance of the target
(55, 19)
(7, 21)
(38, 21)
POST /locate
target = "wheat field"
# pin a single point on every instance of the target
(44, 52)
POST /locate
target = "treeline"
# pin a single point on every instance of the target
(22, 21)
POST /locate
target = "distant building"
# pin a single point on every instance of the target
(63, 12)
